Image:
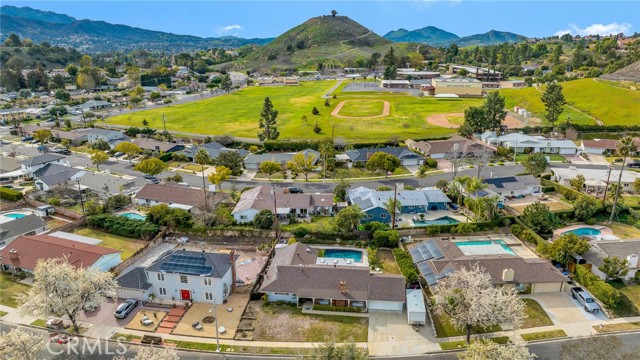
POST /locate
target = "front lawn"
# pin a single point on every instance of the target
(618, 327)
(126, 245)
(444, 328)
(552, 157)
(632, 292)
(9, 288)
(551, 334)
(536, 316)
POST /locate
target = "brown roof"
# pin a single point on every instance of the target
(35, 247)
(151, 144)
(421, 146)
(69, 135)
(260, 198)
(602, 143)
(387, 287)
(172, 193)
(464, 145)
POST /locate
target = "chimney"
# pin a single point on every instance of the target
(232, 258)
(507, 275)
(633, 261)
(13, 254)
(343, 287)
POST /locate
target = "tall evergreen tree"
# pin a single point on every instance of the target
(494, 110)
(268, 120)
(554, 102)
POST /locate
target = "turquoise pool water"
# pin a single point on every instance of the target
(445, 220)
(354, 255)
(133, 216)
(15, 215)
(484, 247)
(585, 231)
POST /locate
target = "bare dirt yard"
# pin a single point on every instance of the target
(386, 109)
(441, 120)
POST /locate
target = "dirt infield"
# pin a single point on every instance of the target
(385, 111)
(441, 120)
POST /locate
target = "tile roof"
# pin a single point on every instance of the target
(35, 247)
(279, 157)
(41, 159)
(13, 228)
(134, 279)
(218, 263)
(464, 145)
(172, 193)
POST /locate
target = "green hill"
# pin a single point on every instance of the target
(34, 14)
(490, 38)
(428, 35)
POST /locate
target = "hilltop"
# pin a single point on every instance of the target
(627, 73)
(437, 37)
(100, 36)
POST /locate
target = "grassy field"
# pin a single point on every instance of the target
(536, 316)
(597, 99)
(361, 108)
(551, 334)
(238, 114)
(9, 288)
(126, 245)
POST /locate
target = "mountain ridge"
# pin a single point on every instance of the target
(434, 36)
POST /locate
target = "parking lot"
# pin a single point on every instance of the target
(563, 309)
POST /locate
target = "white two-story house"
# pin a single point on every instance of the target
(182, 275)
(36, 163)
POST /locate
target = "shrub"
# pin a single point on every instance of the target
(352, 309)
(300, 232)
(433, 230)
(516, 230)
(263, 220)
(606, 293)
(406, 265)
(432, 163)
(465, 228)
(54, 200)
(10, 194)
(123, 226)
(591, 221)
(385, 238)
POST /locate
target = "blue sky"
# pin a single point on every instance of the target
(271, 18)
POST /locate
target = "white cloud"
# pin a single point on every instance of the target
(596, 29)
(226, 30)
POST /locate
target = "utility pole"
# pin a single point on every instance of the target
(164, 122)
(604, 197)
(276, 224)
(395, 204)
(81, 197)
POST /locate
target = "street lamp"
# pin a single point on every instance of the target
(215, 317)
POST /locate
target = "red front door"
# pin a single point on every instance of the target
(186, 294)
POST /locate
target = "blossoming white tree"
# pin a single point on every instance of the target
(60, 288)
(20, 344)
(487, 349)
(470, 299)
(153, 353)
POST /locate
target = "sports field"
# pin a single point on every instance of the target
(595, 99)
(238, 114)
(361, 108)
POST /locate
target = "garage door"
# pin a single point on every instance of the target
(546, 287)
(385, 306)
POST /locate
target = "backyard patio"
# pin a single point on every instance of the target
(199, 312)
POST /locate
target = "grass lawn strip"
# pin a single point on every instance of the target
(238, 349)
(9, 288)
(536, 316)
(454, 345)
(551, 334)
(126, 245)
(618, 327)
(3, 313)
(444, 328)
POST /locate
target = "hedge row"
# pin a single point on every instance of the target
(123, 226)
(352, 309)
(524, 233)
(568, 193)
(596, 286)
(10, 194)
(405, 262)
(583, 128)
(301, 232)
(463, 228)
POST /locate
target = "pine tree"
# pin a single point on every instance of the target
(268, 120)
(554, 102)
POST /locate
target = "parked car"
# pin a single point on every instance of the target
(125, 308)
(295, 190)
(634, 164)
(5, 142)
(585, 299)
(27, 138)
(118, 154)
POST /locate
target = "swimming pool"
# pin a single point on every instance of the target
(354, 255)
(134, 216)
(494, 247)
(15, 215)
(584, 231)
(445, 220)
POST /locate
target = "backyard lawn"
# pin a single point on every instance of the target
(238, 114)
(632, 201)
(9, 288)
(553, 206)
(623, 231)
(126, 245)
(536, 316)
(388, 262)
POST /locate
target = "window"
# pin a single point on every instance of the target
(162, 291)
(208, 296)
(384, 216)
(369, 216)
(160, 277)
(207, 281)
(243, 217)
(184, 279)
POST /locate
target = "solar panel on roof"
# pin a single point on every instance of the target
(431, 280)
(424, 269)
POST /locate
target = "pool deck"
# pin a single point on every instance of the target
(5, 219)
(605, 232)
(342, 261)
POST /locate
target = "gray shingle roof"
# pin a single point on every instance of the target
(603, 249)
(364, 154)
(41, 159)
(134, 279)
(219, 262)
(53, 174)
(279, 157)
(510, 183)
(21, 226)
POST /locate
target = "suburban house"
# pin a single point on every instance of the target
(155, 145)
(511, 186)
(25, 251)
(214, 150)
(438, 149)
(27, 225)
(253, 161)
(105, 184)
(596, 180)
(624, 250)
(30, 166)
(372, 202)
(9, 165)
(603, 146)
(299, 205)
(182, 275)
(525, 143)
(437, 259)
(178, 196)
(51, 175)
(359, 157)
(298, 275)
(76, 137)
(112, 137)
(92, 105)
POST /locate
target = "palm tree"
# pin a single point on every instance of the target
(423, 172)
(203, 158)
(392, 206)
(473, 185)
(625, 146)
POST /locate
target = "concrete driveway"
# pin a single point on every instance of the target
(391, 334)
(562, 309)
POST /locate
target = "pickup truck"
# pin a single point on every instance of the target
(585, 299)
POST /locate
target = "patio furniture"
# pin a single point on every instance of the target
(146, 321)
(229, 309)
(196, 325)
(222, 330)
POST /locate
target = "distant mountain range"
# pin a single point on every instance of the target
(100, 36)
(437, 37)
